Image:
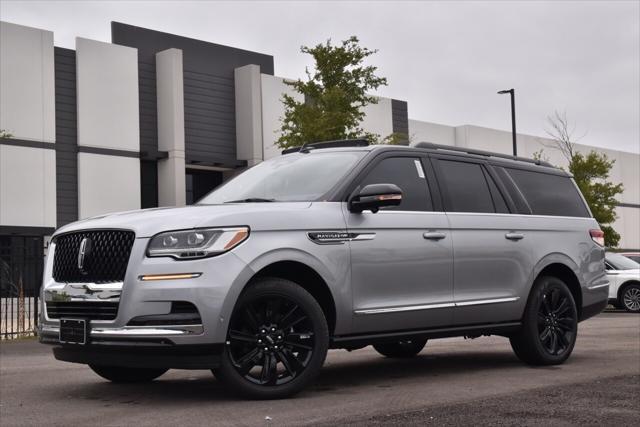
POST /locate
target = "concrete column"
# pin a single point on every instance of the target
(170, 93)
(249, 114)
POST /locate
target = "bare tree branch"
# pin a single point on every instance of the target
(562, 133)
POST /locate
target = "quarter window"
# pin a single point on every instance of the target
(466, 187)
(408, 174)
(549, 194)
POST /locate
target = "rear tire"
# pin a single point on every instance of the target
(118, 374)
(277, 341)
(630, 298)
(401, 349)
(550, 324)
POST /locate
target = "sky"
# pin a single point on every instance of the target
(446, 59)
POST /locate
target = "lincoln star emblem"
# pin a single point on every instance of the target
(83, 253)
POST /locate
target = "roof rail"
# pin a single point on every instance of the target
(327, 144)
(481, 153)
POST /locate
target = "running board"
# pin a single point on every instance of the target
(458, 331)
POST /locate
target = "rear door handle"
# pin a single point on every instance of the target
(432, 235)
(514, 236)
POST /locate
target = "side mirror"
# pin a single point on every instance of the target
(374, 196)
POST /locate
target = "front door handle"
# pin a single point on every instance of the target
(514, 236)
(432, 235)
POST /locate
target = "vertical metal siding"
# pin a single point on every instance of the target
(66, 136)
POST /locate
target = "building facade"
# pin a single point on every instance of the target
(155, 119)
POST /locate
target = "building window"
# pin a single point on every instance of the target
(199, 183)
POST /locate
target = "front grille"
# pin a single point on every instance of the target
(99, 310)
(105, 261)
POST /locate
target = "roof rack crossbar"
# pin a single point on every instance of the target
(327, 144)
(481, 153)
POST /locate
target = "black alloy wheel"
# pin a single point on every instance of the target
(549, 324)
(556, 321)
(277, 340)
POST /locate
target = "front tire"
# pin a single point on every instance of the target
(118, 374)
(401, 349)
(630, 298)
(550, 324)
(277, 341)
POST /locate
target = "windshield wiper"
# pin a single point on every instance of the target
(251, 200)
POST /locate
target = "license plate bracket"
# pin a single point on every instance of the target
(73, 331)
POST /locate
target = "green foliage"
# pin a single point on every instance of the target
(591, 173)
(334, 95)
(540, 156)
(5, 134)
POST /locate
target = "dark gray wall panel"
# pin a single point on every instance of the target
(209, 92)
(66, 137)
(399, 116)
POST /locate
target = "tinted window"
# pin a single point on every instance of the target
(408, 174)
(549, 194)
(466, 187)
(620, 262)
(498, 200)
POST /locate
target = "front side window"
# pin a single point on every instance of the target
(408, 174)
(466, 186)
(294, 177)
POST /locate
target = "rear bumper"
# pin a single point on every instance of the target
(593, 309)
(143, 355)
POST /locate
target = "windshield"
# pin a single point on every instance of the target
(621, 262)
(294, 177)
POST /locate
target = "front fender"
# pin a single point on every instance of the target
(330, 262)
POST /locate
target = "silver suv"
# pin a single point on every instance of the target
(332, 245)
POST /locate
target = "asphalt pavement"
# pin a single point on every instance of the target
(452, 382)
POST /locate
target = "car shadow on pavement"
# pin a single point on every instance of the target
(336, 377)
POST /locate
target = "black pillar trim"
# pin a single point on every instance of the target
(108, 151)
(26, 231)
(27, 143)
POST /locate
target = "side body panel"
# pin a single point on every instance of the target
(400, 280)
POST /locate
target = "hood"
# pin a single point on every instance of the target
(148, 222)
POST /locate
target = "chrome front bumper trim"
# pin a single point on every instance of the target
(135, 332)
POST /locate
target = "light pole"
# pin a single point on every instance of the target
(512, 92)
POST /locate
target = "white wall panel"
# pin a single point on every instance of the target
(107, 92)
(27, 103)
(107, 184)
(378, 118)
(431, 132)
(248, 94)
(273, 88)
(27, 186)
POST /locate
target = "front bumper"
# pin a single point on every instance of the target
(143, 356)
(213, 292)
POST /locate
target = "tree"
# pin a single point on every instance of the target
(335, 94)
(591, 173)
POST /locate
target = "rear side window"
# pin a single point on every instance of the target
(408, 174)
(466, 187)
(549, 194)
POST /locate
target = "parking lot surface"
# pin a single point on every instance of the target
(453, 381)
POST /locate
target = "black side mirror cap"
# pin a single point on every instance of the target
(374, 196)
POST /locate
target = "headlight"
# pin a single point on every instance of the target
(196, 243)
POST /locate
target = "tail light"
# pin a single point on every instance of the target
(597, 236)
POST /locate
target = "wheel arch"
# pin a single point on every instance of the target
(304, 269)
(307, 278)
(623, 285)
(562, 267)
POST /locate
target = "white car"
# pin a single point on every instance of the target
(624, 282)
